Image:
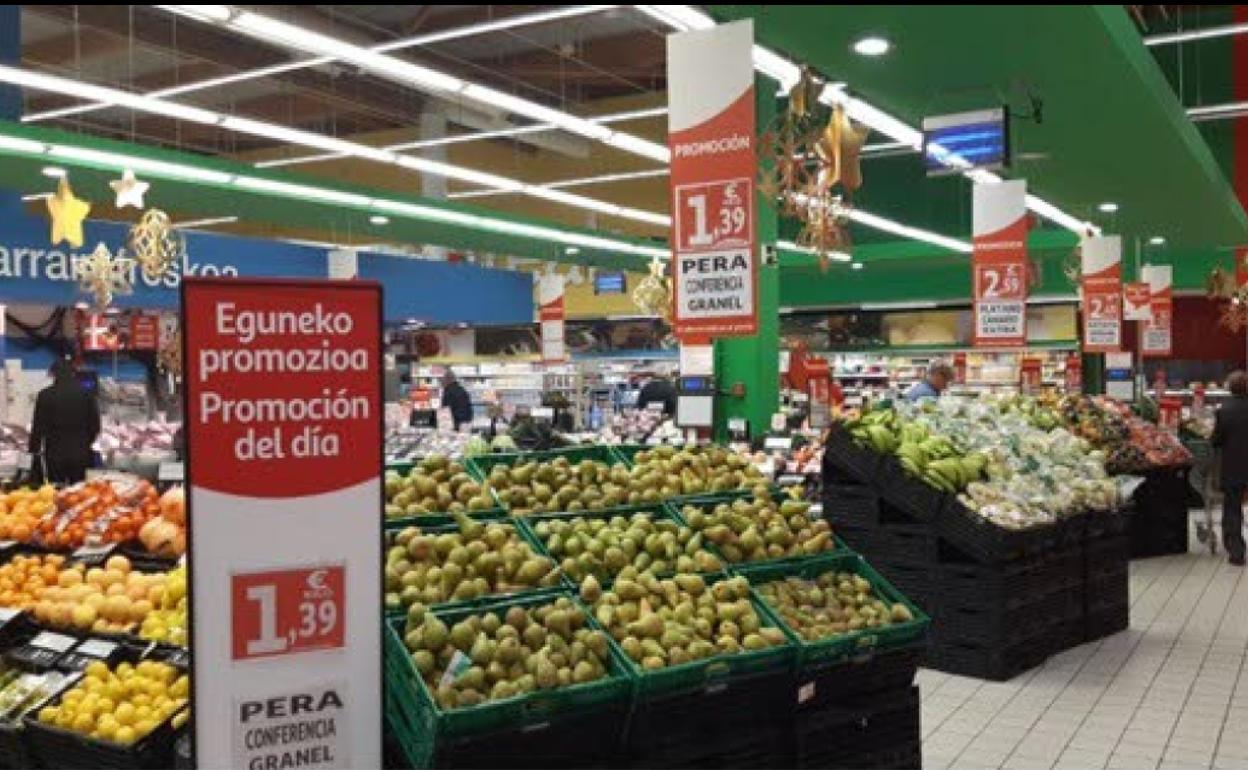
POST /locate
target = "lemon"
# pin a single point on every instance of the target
(106, 706)
(180, 688)
(97, 670)
(144, 726)
(48, 714)
(181, 719)
(141, 714)
(124, 714)
(84, 723)
(124, 735)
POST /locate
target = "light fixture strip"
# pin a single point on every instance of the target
(58, 84)
(277, 32)
(1205, 33)
(777, 67)
(471, 30)
(580, 182)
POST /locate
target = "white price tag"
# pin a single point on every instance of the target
(781, 443)
(47, 640)
(805, 692)
(97, 648)
(8, 613)
(790, 480)
(94, 554)
(736, 424)
(542, 413)
(654, 406)
(172, 472)
(480, 423)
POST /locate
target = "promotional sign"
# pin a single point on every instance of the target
(1241, 266)
(959, 368)
(999, 263)
(1156, 337)
(144, 331)
(1030, 374)
(550, 315)
(1102, 293)
(1135, 298)
(1074, 373)
(98, 333)
(711, 129)
(284, 465)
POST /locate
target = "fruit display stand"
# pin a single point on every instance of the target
(1160, 507)
(1001, 601)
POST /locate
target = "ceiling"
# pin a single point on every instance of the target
(1113, 126)
(1110, 127)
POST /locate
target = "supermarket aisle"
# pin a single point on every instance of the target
(1171, 692)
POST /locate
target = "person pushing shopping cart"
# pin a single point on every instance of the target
(1230, 440)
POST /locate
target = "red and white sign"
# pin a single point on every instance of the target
(287, 611)
(284, 465)
(98, 333)
(1241, 266)
(711, 132)
(1135, 299)
(144, 332)
(1156, 337)
(1030, 374)
(550, 315)
(1102, 293)
(999, 263)
(1074, 373)
(959, 368)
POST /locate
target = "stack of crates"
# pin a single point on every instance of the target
(1107, 555)
(1159, 521)
(1001, 602)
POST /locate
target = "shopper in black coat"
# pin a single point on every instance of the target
(658, 391)
(66, 424)
(456, 398)
(1230, 435)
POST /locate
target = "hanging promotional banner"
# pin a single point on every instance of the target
(1241, 266)
(1156, 337)
(710, 86)
(284, 464)
(999, 263)
(1135, 297)
(1102, 293)
(550, 314)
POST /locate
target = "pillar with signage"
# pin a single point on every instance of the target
(1102, 293)
(999, 263)
(720, 289)
(550, 313)
(284, 440)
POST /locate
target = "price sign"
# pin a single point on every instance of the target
(999, 263)
(170, 472)
(97, 648)
(1102, 293)
(46, 640)
(288, 611)
(778, 443)
(1156, 338)
(711, 134)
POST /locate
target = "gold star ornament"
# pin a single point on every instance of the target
(67, 213)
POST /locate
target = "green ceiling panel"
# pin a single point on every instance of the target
(1112, 128)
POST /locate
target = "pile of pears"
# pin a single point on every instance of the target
(760, 529)
(559, 485)
(470, 560)
(491, 656)
(661, 623)
(603, 548)
(831, 605)
(669, 472)
(436, 485)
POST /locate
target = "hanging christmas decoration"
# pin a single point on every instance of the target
(653, 295)
(169, 357)
(154, 243)
(809, 161)
(104, 276)
(67, 213)
(129, 191)
(1233, 313)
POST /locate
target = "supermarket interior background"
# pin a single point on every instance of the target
(627, 386)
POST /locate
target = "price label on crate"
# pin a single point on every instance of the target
(778, 443)
(791, 480)
(46, 640)
(170, 472)
(7, 615)
(177, 658)
(94, 555)
(101, 649)
(286, 612)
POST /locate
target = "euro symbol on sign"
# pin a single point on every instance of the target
(316, 579)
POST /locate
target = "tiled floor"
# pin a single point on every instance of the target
(1171, 692)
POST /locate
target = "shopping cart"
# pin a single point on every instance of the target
(1204, 478)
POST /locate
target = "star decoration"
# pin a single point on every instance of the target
(129, 190)
(154, 243)
(104, 276)
(653, 295)
(67, 213)
(839, 149)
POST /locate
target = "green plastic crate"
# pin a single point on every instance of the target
(711, 501)
(433, 519)
(527, 537)
(629, 451)
(431, 724)
(853, 644)
(481, 466)
(659, 510)
(707, 673)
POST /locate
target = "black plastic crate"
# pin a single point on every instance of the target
(819, 686)
(911, 544)
(589, 738)
(995, 626)
(770, 747)
(1159, 536)
(988, 543)
(1107, 554)
(852, 505)
(851, 735)
(1005, 584)
(859, 539)
(914, 496)
(845, 461)
(54, 747)
(1067, 634)
(1072, 530)
(1106, 621)
(690, 722)
(1106, 523)
(987, 661)
(913, 581)
(1109, 589)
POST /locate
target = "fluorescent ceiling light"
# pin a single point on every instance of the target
(871, 46)
(309, 192)
(510, 22)
(17, 144)
(1107, 207)
(36, 197)
(623, 176)
(144, 165)
(856, 265)
(1157, 240)
(686, 17)
(55, 172)
(571, 250)
(308, 139)
(379, 220)
(835, 256)
(275, 31)
(1196, 34)
(1218, 111)
(207, 222)
(906, 231)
